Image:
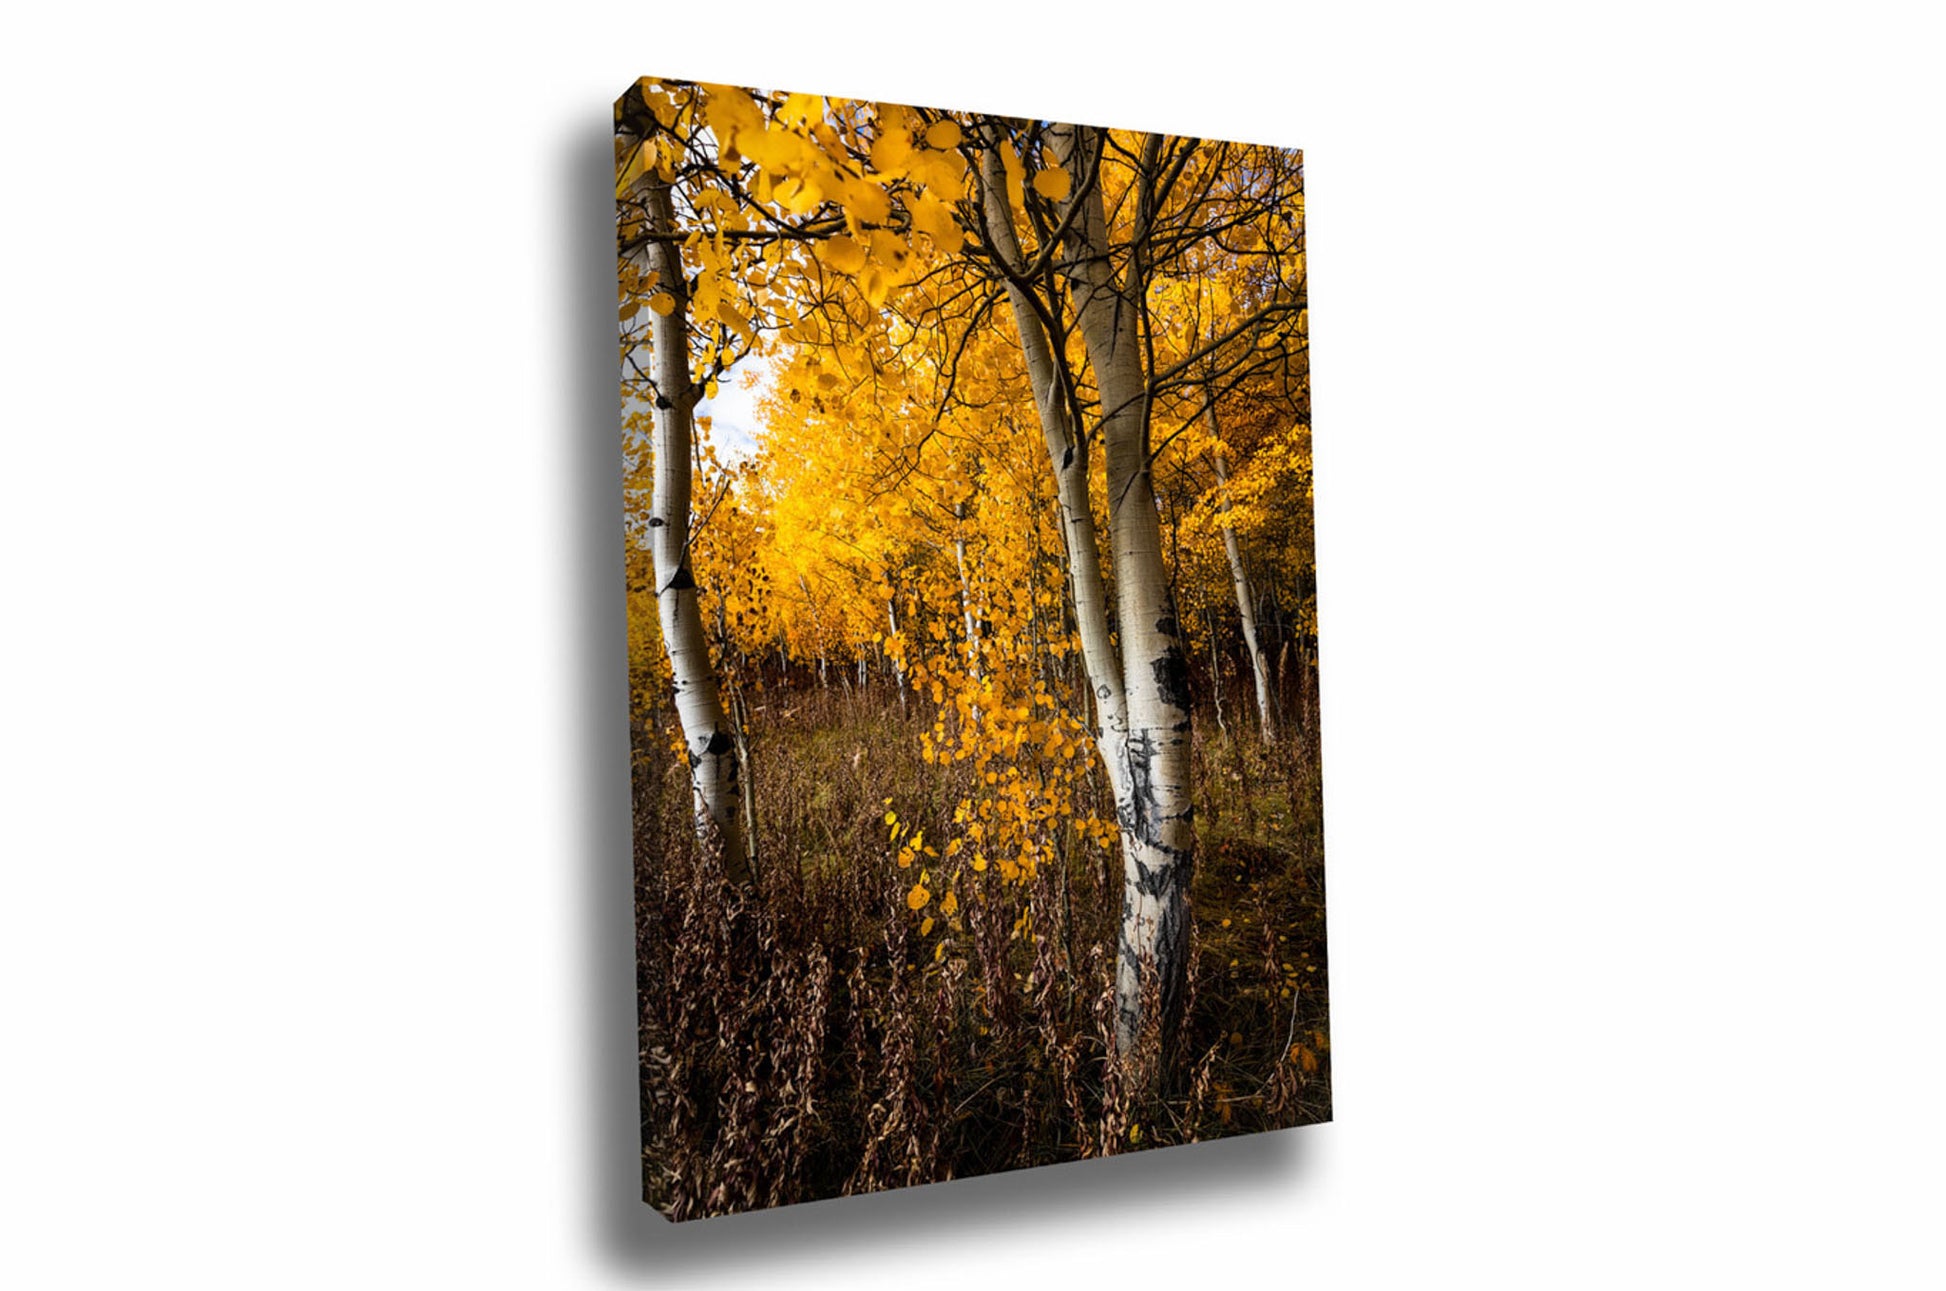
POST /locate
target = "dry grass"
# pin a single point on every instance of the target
(804, 1041)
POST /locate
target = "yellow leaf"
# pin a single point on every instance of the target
(925, 926)
(776, 150)
(735, 321)
(800, 109)
(889, 249)
(948, 903)
(1053, 184)
(730, 112)
(940, 173)
(917, 898)
(943, 135)
(935, 219)
(866, 203)
(800, 193)
(662, 303)
(845, 255)
(891, 152)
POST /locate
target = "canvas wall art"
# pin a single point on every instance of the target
(973, 642)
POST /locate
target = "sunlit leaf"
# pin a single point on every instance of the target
(1052, 183)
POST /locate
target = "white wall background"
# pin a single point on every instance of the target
(314, 940)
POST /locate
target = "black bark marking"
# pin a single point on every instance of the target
(1140, 814)
(656, 522)
(662, 404)
(1156, 881)
(1164, 960)
(1067, 458)
(1137, 810)
(1166, 625)
(682, 581)
(1172, 678)
(719, 743)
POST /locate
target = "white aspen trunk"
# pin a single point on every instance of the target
(1215, 673)
(1157, 825)
(740, 732)
(892, 623)
(699, 708)
(1067, 453)
(1141, 691)
(966, 593)
(1246, 604)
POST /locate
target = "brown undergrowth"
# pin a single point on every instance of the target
(805, 1040)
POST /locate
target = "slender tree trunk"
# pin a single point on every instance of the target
(892, 624)
(1141, 689)
(1246, 603)
(817, 626)
(740, 732)
(748, 776)
(699, 708)
(1067, 452)
(966, 595)
(1215, 673)
(1158, 831)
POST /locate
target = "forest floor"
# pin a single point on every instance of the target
(808, 1042)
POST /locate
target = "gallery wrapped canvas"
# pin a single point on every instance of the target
(972, 642)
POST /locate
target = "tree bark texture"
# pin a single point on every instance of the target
(706, 731)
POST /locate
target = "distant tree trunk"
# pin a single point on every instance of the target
(1215, 673)
(966, 602)
(740, 732)
(1246, 603)
(966, 592)
(892, 624)
(817, 626)
(699, 709)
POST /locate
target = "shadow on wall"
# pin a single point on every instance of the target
(627, 1234)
